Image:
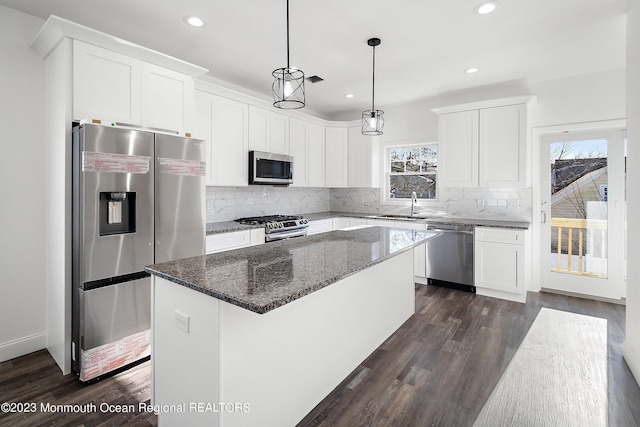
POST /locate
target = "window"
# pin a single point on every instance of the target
(412, 168)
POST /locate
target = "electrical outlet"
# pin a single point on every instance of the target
(182, 321)
(512, 203)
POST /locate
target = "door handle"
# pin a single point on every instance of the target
(543, 214)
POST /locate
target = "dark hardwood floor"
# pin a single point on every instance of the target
(438, 369)
(35, 378)
(441, 366)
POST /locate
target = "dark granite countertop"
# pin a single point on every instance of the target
(228, 226)
(264, 277)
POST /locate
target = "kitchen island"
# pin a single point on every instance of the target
(259, 336)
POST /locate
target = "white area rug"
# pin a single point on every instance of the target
(558, 376)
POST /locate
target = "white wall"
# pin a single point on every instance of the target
(22, 255)
(632, 342)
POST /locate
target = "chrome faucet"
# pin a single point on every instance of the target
(414, 200)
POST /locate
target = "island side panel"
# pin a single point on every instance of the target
(284, 362)
(185, 355)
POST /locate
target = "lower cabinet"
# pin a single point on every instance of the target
(499, 259)
(233, 240)
(320, 226)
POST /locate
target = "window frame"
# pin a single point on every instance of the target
(386, 173)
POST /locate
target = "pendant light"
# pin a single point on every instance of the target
(372, 120)
(288, 87)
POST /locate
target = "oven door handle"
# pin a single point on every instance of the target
(279, 236)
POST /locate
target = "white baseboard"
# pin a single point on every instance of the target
(631, 355)
(21, 346)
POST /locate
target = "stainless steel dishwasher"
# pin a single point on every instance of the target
(450, 257)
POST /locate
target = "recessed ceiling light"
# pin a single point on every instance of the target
(194, 21)
(471, 70)
(349, 95)
(486, 7)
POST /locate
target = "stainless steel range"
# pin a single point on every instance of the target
(278, 227)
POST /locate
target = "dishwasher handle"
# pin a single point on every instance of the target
(449, 230)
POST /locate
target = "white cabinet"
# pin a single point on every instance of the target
(363, 160)
(502, 146)
(268, 131)
(337, 150)
(458, 149)
(106, 84)
(499, 263)
(167, 99)
(114, 87)
(307, 148)
(320, 226)
(227, 241)
(223, 124)
(483, 147)
(340, 223)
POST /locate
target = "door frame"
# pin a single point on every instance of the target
(537, 135)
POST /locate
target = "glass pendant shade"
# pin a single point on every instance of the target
(372, 122)
(288, 88)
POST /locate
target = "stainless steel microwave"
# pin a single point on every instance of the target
(270, 168)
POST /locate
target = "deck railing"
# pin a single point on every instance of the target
(596, 241)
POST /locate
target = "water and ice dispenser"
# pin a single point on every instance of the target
(117, 212)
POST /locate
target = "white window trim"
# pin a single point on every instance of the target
(385, 147)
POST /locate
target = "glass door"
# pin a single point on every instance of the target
(583, 210)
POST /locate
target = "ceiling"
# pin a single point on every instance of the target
(426, 44)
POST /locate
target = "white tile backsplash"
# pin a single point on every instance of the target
(480, 203)
(229, 203)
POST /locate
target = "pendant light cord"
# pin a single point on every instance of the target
(373, 86)
(288, 35)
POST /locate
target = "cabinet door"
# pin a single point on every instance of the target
(363, 160)
(315, 155)
(230, 142)
(279, 133)
(499, 266)
(458, 149)
(227, 241)
(337, 149)
(167, 99)
(106, 85)
(204, 106)
(502, 146)
(298, 149)
(320, 226)
(258, 129)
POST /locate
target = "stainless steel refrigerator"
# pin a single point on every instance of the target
(138, 199)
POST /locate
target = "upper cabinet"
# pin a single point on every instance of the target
(483, 146)
(363, 160)
(167, 99)
(223, 124)
(268, 131)
(307, 146)
(337, 149)
(106, 84)
(458, 149)
(111, 86)
(502, 146)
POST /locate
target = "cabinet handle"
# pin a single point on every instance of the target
(544, 217)
(516, 268)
